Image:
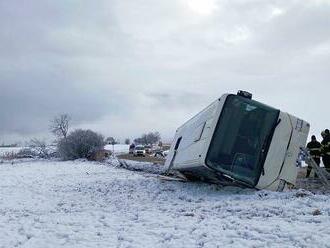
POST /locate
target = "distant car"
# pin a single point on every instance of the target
(160, 153)
(166, 152)
(131, 148)
(148, 149)
(139, 151)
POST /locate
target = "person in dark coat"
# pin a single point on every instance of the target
(314, 148)
(325, 149)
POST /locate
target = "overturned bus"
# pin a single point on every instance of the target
(240, 141)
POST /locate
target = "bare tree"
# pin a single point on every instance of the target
(127, 141)
(148, 139)
(60, 125)
(111, 141)
(153, 138)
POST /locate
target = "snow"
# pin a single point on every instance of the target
(153, 168)
(118, 148)
(7, 150)
(85, 204)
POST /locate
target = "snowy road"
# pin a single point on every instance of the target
(82, 204)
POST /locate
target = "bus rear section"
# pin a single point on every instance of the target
(240, 141)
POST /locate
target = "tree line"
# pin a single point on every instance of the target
(80, 143)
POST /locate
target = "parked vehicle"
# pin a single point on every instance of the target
(158, 153)
(239, 141)
(131, 148)
(165, 153)
(148, 149)
(139, 151)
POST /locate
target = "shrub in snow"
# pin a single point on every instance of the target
(26, 153)
(79, 144)
(23, 153)
(38, 148)
(8, 155)
(316, 212)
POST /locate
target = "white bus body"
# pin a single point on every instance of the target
(237, 140)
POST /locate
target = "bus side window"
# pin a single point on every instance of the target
(177, 144)
(199, 132)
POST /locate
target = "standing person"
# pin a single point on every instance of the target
(326, 149)
(314, 148)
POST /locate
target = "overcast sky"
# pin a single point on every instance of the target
(124, 67)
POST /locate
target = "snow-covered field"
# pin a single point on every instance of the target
(83, 204)
(118, 148)
(7, 150)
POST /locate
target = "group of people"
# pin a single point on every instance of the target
(319, 150)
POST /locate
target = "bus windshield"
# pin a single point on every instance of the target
(242, 138)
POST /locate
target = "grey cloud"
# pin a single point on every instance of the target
(300, 28)
(113, 64)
